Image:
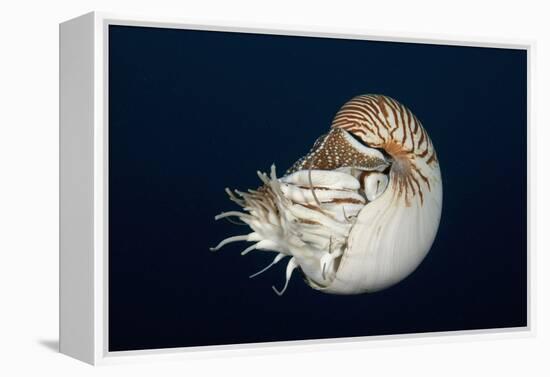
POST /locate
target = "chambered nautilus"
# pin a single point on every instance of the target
(360, 211)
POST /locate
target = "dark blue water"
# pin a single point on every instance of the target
(191, 113)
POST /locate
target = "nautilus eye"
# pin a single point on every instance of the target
(356, 214)
(375, 185)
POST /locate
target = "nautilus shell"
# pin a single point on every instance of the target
(360, 211)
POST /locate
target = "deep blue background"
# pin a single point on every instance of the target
(193, 112)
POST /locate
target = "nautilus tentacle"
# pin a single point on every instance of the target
(360, 211)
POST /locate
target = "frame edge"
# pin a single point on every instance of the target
(76, 190)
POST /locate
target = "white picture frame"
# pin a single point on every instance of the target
(84, 183)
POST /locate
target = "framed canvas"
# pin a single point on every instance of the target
(233, 188)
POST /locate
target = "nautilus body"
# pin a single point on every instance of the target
(360, 211)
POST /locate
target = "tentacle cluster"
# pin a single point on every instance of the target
(285, 218)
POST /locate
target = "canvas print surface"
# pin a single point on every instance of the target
(271, 188)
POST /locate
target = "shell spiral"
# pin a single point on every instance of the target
(360, 211)
(382, 122)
